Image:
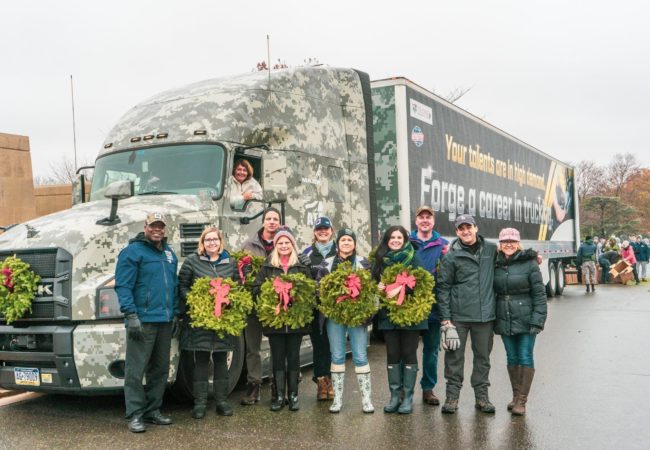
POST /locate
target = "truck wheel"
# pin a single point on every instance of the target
(551, 286)
(182, 388)
(561, 280)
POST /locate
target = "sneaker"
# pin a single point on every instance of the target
(450, 406)
(484, 405)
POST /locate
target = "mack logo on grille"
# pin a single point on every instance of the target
(45, 290)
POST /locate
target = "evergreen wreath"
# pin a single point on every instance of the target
(416, 300)
(338, 301)
(18, 287)
(292, 307)
(220, 305)
(242, 260)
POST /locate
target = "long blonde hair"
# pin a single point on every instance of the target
(274, 257)
(201, 249)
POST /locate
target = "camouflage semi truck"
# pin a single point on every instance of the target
(308, 133)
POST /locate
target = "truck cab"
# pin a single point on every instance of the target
(304, 130)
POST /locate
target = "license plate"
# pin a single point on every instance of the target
(27, 377)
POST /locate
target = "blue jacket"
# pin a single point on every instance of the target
(430, 252)
(146, 281)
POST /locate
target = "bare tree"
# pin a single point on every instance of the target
(589, 179)
(622, 168)
(60, 172)
(456, 94)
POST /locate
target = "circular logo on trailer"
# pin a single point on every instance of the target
(417, 136)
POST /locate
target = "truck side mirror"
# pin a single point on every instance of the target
(79, 189)
(117, 190)
(275, 178)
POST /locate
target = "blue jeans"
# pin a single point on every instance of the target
(430, 345)
(519, 349)
(358, 343)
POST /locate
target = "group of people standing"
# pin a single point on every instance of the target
(606, 253)
(480, 289)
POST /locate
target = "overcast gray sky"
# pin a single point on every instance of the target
(570, 78)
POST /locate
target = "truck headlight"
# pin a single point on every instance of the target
(108, 307)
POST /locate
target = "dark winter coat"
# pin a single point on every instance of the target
(198, 266)
(267, 271)
(430, 253)
(385, 323)
(520, 291)
(254, 245)
(146, 281)
(465, 283)
(586, 252)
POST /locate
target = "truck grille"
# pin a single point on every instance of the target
(53, 299)
(191, 232)
(187, 248)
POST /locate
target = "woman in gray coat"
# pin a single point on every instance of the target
(213, 261)
(520, 312)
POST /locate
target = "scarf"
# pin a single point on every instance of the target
(324, 249)
(338, 260)
(403, 256)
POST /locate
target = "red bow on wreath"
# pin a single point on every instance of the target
(402, 281)
(282, 288)
(219, 291)
(353, 286)
(243, 262)
(9, 282)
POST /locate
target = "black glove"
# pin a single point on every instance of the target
(304, 259)
(535, 329)
(177, 324)
(134, 329)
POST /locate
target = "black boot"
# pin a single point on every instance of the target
(395, 386)
(200, 392)
(223, 407)
(293, 390)
(277, 402)
(587, 288)
(593, 288)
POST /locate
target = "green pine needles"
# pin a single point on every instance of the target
(201, 307)
(300, 310)
(18, 287)
(416, 306)
(336, 302)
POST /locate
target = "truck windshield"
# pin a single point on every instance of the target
(172, 169)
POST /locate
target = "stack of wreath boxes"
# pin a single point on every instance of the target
(621, 272)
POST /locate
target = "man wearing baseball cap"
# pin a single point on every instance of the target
(467, 307)
(430, 247)
(145, 283)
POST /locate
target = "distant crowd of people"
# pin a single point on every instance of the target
(595, 251)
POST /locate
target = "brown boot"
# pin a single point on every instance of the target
(527, 374)
(330, 388)
(252, 394)
(322, 388)
(515, 374)
(429, 398)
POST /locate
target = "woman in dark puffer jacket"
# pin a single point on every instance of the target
(520, 312)
(213, 261)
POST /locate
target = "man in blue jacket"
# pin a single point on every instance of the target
(145, 283)
(430, 247)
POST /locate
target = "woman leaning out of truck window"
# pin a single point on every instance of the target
(284, 342)
(211, 260)
(322, 247)
(520, 312)
(243, 187)
(401, 342)
(346, 245)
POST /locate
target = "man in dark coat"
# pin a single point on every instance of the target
(467, 306)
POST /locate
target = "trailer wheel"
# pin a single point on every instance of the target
(182, 388)
(551, 286)
(561, 280)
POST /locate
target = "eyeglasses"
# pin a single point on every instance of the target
(509, 242)
(211, 240)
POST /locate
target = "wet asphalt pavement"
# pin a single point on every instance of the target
(591, 390)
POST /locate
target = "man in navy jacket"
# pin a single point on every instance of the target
(146, 286)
